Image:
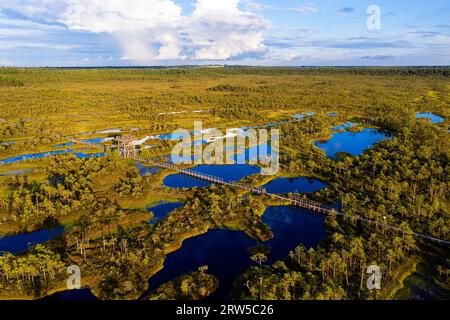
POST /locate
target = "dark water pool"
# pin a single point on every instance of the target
(227, 254)
(22, 242)
(143, 170)
(354, 143)
(295, 185)
(162, 209)
(233, 172)
(83, 294)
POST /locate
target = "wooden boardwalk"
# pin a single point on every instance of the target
(90, 144)
(293, 199)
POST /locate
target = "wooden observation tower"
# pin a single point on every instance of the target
(126, 147)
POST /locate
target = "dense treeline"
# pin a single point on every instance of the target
(69, 189)
(33, 274)
(335, 271)
(131, 184)
(405, 178)
(193, 70)
(122, 258)
(192, 286)
(402, 181)
(368, 71)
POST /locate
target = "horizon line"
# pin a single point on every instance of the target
(223, 65)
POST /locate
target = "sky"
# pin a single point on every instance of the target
(246, 32)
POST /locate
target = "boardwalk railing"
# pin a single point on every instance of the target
(90, 144)
(310, 204)
(293, 199)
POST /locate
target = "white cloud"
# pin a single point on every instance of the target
(219, 30)
(145, 29)
(257, 6)
(117, 16)
(308, 8)
(5, 44)
(152, 30)
(5, 62)
(11, 32)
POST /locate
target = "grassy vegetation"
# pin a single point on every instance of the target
(102, 201)
(192, 286)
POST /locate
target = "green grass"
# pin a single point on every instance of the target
(42, 107)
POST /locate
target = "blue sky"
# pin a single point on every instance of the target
(266, 32)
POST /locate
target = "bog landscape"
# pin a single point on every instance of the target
(92, 205)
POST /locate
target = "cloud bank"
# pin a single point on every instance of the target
(174, 32)
(155, 30)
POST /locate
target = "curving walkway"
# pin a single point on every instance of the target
(294, 199)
